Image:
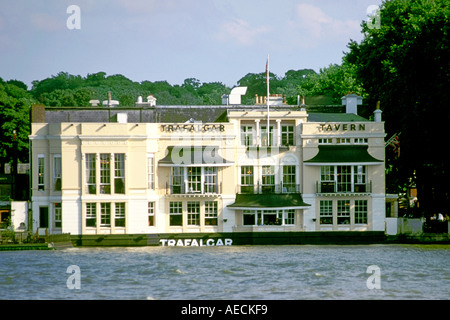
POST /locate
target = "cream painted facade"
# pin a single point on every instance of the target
(122, 177)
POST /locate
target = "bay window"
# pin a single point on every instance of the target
(268, 217)
(194, 180)
(345, 179)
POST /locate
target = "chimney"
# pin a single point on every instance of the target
(377, 113)
(94, 103)
(38, 113)
(351, 103)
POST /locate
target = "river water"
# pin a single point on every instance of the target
(229, 272)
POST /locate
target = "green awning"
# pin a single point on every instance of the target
(349, 155)
(269, 201)
(187, 156)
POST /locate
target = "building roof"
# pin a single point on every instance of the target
(269, 200)
(178, 114)
(335, 117)
(348, 154)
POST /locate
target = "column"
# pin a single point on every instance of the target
(278, 137)
(258, 133)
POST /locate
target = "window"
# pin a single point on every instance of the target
(193, 213)
(361, 211)
(57, 214)
(326, 212)
(194, 179)
(360, 141)
(246, 135)
(325, 141)
(289, 216)
(268, 217)
(91, 215)
(57, 173)
(177, 180)
(344, 176)
(287, 135)
(343, 179)
(151, 214)
(343, 212)
(211, 180)
(210, 213)
(119, 173)
(289, 184)
(119, 218)
(271, 217)
(105, 174)
(327, 179)
(151, 171)
(266, 141)
(105, 214)
(176, 213)
(343, 140)
(91, 187)
(359, 179)
(41, 172)
(249, 217)
(247, 179)
(268, 179)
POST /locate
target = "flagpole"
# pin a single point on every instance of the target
(267, 101)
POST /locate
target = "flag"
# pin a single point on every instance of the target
(394, 142)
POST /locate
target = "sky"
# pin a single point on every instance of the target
(172, 40)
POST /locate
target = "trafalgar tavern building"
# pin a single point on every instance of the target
(221, 174)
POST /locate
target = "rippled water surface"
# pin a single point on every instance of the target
(237, 272)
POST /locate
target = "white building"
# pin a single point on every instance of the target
(128, 172)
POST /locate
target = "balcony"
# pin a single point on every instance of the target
(330, 187)
(194, 189)
(265, 189)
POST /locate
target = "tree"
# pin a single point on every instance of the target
(405, 64)
(256, 85)
(15, 104)
(334, 81)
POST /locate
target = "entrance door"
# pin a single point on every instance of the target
(43, 217)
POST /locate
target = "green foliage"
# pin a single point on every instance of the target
(15, 104)
(405, 64)
(334, 81)
(67, 90)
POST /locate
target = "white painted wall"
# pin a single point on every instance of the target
(378, 212)
(19, 214)
(309, 214)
